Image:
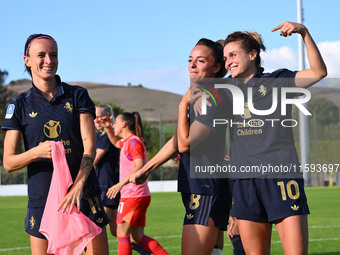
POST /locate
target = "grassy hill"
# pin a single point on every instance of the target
(150, 103)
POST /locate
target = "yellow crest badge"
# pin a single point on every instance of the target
(32, 222)
(68, 107)
(262, 90)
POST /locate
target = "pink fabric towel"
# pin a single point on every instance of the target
(66, 233)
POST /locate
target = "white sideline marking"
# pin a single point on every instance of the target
(16, 248)
(316, 240)
(312, 227)
(178, 236)
(330, 226)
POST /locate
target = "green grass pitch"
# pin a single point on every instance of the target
(164, 223)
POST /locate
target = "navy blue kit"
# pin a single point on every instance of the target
(202, 195)
(267, 184)
(40, 120)
(107, 169)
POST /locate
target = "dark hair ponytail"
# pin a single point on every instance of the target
(134, 123)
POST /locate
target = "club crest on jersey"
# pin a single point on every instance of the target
(68, 107)
(33, 114)
(262, 90)
(10, 111)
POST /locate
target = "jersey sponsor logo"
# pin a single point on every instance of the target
(68, 107)
(52, 129)
(32, 222)
(295, 207)
(33, 114)
(190, 216)
(10, 111)
(262, 90)
(247, 113)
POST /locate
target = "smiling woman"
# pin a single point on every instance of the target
(271, 146)
(53, 111)
(44, 53)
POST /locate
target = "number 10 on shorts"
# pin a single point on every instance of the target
(287, 189)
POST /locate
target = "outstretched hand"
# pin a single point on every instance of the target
(114, 190)
(72, 198)
(288, 28)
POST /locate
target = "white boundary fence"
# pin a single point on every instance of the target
(21, 189)
(155, 186)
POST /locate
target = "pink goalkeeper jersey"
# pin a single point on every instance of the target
(132, 148)
(66, 233)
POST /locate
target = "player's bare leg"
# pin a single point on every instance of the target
(220, 239)
(293, 232)
(219, 243)
(199, 239)
(112, 214)
(38, 246)
(98, 245)
(256, 236)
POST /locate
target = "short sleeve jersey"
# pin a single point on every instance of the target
(107, 169)
(132, 148)
(264, 140)
(192, 177)
(40, 120)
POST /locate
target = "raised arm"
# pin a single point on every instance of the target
(87, 130)
(106, 122)
(183, 127)
(318, 70)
